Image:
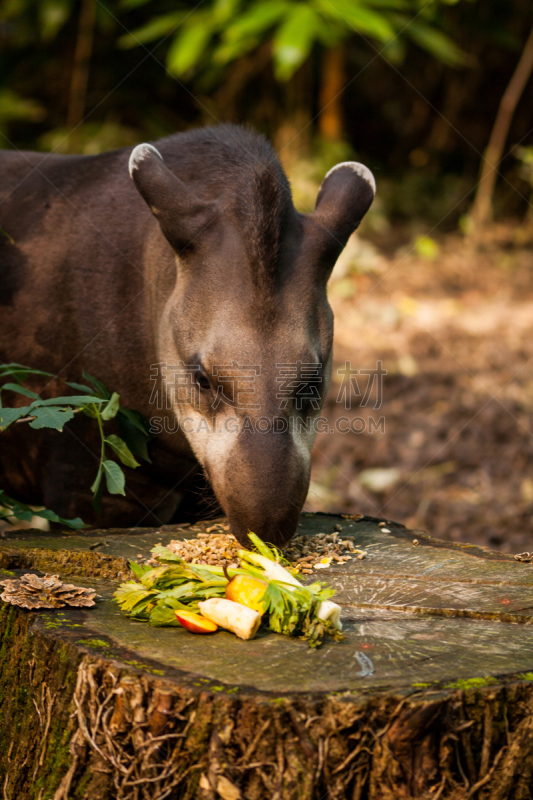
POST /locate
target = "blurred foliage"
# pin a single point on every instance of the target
(426, 248)
(420, 85)
(525, 156)
(215, 34)
(15, 107)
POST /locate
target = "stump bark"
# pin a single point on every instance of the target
(429, 696)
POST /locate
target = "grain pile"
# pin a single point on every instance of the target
(306, 554)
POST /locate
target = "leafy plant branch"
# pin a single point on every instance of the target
(95, 402)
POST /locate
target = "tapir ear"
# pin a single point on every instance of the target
(343, 199)
(180, 213)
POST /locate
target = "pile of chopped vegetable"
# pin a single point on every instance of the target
(201, 597)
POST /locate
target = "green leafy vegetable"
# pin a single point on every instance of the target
(292, 609)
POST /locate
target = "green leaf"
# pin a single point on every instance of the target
(163, 616)
(351, 14)
(150, 578)
(80, 386)
(97, 480)
(189, 45)
(122, 451)
(112, 407)
(51, 418)
(138, 569)
(129, 595)
(10, 415)
(76, 524)
(71, 400)
(294, 39)
(21, 511)
(260, 18)
(437, 44)
(98, 385)
(52, 16)
(249, 29)
(394, 51)
(15, 387)
(114, 477)
(164, 554)
(182, 591)
(7, 235)
(20, 372)
(154, 29)
(224, 10)
(91, 411)
(136, 420)
(134, 430)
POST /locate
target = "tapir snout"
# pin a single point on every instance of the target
(263, 485)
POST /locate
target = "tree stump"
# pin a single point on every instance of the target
(429, 696)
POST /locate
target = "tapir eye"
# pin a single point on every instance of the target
(202, 380)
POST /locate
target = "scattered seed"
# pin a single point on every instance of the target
(304, 553)
(415, 542)
(385, 530)
(382, 524)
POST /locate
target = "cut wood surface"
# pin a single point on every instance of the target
(430, 695)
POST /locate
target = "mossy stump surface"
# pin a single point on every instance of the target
(429, 696)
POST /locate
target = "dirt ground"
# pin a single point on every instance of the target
(454, 330)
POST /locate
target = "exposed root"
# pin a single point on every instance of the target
(134, 737)
(45, 719)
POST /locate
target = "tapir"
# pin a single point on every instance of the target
(180, 275)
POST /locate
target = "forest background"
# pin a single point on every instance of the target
(437, 99)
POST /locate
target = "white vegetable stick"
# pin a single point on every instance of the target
(273, 570)
(244, 622)
(330, 611)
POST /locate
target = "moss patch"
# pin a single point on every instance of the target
(145, 667)
(96, 643)
(471, 683)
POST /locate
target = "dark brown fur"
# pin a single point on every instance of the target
(85, 282)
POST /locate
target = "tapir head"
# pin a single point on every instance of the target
(246, 331)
